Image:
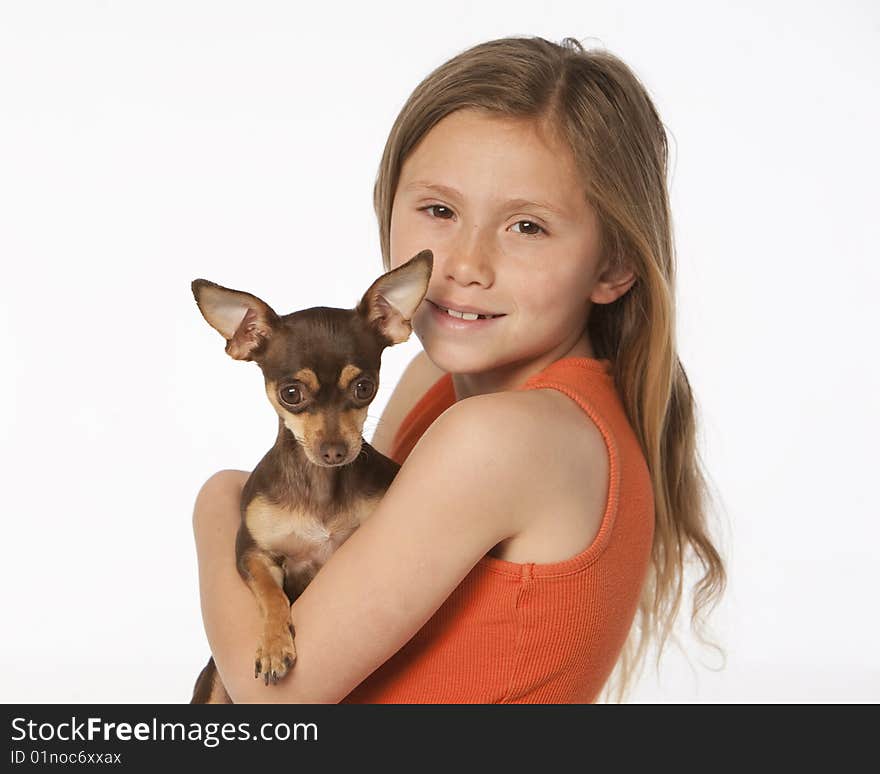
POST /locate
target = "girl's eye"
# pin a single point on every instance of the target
(531, 224)
(536, 229)
(438, 207)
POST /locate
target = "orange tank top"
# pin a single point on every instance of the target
(533, 633)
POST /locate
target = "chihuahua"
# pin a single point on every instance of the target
(321, 479)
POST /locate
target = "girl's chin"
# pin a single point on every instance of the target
(457, 359)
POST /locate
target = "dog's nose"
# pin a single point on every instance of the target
(333, 453)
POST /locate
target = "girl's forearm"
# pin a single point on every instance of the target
(229, 611)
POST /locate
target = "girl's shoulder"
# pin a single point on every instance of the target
(546, 421)
(561, 467)
(418, 377)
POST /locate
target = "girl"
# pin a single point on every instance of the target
(537, 534)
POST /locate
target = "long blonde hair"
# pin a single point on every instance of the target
(596, 105)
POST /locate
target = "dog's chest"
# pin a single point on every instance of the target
(300, 535)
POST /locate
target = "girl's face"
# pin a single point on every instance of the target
(503, 211)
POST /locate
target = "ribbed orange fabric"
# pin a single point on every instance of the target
(533, 633)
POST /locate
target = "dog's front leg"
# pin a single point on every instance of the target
(275, 651)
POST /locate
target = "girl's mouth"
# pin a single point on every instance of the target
(460, 321)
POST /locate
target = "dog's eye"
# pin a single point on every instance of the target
(364, 389)
(291, 395)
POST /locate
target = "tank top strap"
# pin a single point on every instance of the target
(580, 373)
(577, 376)
(431, 405)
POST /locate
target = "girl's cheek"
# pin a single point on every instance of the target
(407, 239)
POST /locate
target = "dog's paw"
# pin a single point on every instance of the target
(275, 653)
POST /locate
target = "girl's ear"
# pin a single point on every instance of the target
(613, 282)
(390, 302)
(245, 321)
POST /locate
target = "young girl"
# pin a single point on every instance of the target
(537, 532)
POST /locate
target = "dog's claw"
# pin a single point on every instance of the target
(276, 653)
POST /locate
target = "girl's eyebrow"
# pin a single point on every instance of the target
(453, 193)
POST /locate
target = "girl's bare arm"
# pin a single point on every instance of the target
(436, 521)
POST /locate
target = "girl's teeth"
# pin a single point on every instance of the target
(466, 315)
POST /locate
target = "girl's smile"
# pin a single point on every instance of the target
(453, 322)
(501, 205)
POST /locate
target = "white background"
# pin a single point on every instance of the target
(143, 144)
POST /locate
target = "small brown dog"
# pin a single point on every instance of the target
(320, 480)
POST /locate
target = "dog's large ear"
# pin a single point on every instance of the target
(392, 300)
(243, 320)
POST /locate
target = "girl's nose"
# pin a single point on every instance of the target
(470, 258)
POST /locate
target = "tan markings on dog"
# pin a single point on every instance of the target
(293, 532)
(262, 583)
(277, 574)
(272, 395)
(298, 424)
(298, 534)
(313, 427)
(348, 373)
(307, 376)
(275, 650)
(311, 430)
(351, 425)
